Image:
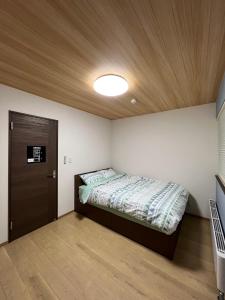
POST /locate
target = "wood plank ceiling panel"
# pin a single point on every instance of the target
(171, 52)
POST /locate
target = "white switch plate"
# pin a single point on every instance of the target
(65, 159)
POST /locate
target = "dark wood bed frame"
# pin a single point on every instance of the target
(155, 240)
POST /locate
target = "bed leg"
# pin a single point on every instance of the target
(220, 296)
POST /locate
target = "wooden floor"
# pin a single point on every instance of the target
(76, 258)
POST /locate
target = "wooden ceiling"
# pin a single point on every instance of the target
(171, 52)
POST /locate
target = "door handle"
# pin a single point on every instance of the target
(53, 175)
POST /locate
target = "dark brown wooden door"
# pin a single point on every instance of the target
(33, 151)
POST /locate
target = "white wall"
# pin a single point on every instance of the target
(178, 145)
(83, 137)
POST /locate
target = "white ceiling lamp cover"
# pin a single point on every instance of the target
(110, 85)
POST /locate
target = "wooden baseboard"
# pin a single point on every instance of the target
(195, 216)
(3, 244)
(65, 214)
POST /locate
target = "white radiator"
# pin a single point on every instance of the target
(218, 242)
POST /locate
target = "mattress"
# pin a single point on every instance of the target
(150, 202)
(124, 215)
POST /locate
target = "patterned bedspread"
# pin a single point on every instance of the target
(160, 204)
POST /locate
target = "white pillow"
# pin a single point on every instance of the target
(93, 177)
(107, 173)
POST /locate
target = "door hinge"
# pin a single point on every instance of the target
(11, 226)
(11, 125)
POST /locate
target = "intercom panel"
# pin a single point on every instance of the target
(36, 154)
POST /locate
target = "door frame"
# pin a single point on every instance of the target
(11, 112)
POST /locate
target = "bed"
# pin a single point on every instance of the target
(145, 210)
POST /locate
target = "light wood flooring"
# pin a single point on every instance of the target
(76, 258)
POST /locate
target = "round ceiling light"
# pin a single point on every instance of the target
(110, 85)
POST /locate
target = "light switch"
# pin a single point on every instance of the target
(65, 159)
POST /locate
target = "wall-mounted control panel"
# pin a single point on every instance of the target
(67, 160)
(36, 154)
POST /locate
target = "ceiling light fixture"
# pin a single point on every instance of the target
(110, 85)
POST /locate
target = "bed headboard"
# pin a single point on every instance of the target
(77, 183)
